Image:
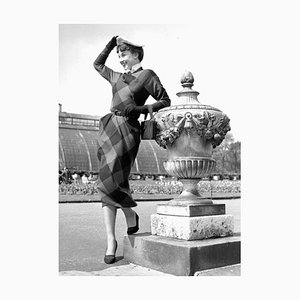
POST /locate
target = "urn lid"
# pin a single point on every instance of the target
(187, 95)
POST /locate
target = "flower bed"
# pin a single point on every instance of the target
(155, 187)
(78, 189)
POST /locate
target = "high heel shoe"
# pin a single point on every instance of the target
(134, 229)
(110, 259)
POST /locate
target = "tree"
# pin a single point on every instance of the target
(234, 155)
(227, 156)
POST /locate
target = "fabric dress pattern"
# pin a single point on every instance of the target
(119, 136)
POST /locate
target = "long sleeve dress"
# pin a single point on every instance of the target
(119, 136)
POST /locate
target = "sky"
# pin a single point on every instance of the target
(169, 49)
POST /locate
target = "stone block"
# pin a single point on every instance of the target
(191, 210)
(179, 257)
(192, 228)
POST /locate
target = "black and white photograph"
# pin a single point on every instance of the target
(149, 149)
(149, 170)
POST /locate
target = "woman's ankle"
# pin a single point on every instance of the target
(131, 221)
(128, 212)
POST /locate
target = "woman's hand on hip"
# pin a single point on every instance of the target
(133, 111)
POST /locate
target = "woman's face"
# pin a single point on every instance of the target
(128, 59)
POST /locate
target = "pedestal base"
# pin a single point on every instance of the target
(192, 228)
(179, 257)
(190, 210)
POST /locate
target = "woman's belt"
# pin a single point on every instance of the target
(122, 114)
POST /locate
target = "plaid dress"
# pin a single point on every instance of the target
(119, 136)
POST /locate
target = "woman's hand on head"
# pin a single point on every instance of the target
(114, 40)
(112, 43)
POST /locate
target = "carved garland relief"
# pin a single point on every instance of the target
(212, 127)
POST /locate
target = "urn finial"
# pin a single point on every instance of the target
(187, 95)
(187, 79)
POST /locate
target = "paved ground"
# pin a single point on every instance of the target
(82, 238)
(135, 270)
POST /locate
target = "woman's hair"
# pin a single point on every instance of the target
(132, 49)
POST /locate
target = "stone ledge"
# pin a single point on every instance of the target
(191, 210)
(179, 257)
(192, 228)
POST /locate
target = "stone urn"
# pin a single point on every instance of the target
(189, 131)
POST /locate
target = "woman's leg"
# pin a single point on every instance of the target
(109, 213)
(130, 216)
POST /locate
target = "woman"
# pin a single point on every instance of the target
(119, 133)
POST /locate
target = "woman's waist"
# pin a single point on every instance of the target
(121, 113)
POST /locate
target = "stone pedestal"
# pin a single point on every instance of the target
(191, 221)
(192, 228)
(180, 257)
(186, 238)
